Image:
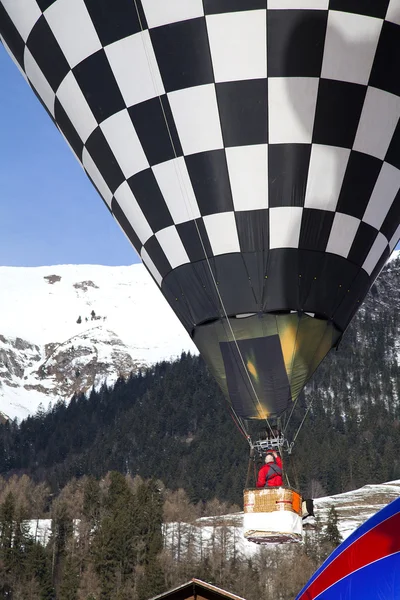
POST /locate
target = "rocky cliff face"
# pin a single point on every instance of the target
(68, 328)
(31, 374)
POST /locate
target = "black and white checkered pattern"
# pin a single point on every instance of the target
(269, 127)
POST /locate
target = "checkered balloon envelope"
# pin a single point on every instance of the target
(249, 149)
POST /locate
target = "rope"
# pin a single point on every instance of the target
(189, 208)
(251, 460)
(302, 422)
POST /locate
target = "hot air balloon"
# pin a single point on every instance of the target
(250, 151)
(366, 565)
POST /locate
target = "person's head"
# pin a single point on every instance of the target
(269, 458)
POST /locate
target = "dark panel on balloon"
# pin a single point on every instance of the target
(148, 195)
(287, 174)
(68, 129)
(351, 301)
(208, 172)
(156, 253)
(195, 239)
(224, 6)
(295, 41)
(255, 264)
(12, 37)
(362, 244)
(370, 8)
(234, 285)
(282, 283)
(358, 183)
(183, 54)
(47, 53)
(315, 229)
(339, 106)
(334, 281)
(380, 264)
(200, 301)
(115, 19)
(253, 229)
(302, 280)
(104, 159)
(392, 220)
(126, 226)
(243, 112)
(98, 84)
(385, 70)
(311, 265)
(154, 134)
(266, 368)
(393, 153)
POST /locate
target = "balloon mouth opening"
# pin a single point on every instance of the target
(264, 314)
(262, 361)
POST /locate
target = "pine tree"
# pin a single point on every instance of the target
(68, 588)
(332, 534)
(39, 569)
(113, 545)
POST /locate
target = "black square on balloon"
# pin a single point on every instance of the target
(115, 19)
(157, 255)
(47, 53)
(315, 229)
(338, 111)
(287, 174)
(224, 6)
(64, 123)
(44, 4)
(105, 161)
(362, 244)
(385, 70)
(98, 84)
(208, 172)
(243, 111)
(183, 54)
(370, 8)
(392, 219)
(359, 181)
(295, 40)
(156, 129)
(148, 195)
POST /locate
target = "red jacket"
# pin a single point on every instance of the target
(274, 481)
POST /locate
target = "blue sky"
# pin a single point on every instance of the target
(50, 212)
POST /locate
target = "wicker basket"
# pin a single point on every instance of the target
(271, 500)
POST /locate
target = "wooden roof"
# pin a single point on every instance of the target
(195, 589)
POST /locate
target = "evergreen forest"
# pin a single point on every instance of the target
(124, 538)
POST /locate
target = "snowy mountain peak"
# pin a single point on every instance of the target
(67, 328)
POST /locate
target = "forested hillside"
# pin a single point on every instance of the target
(171, 421)
(125, 538)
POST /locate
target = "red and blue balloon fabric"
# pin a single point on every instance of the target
(366, 565)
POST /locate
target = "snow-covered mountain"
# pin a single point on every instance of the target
(66, 328)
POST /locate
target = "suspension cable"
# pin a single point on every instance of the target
(302, 422)
(189, 208)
